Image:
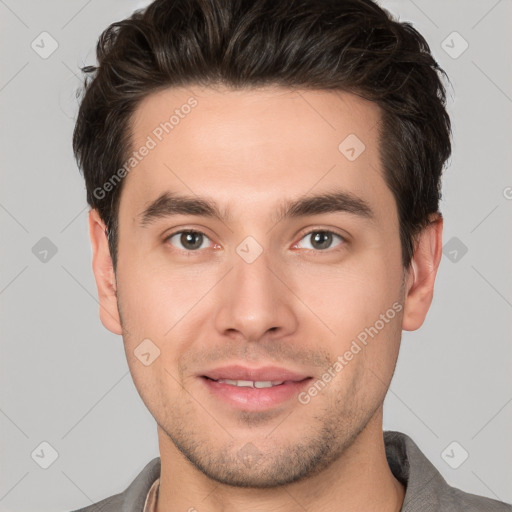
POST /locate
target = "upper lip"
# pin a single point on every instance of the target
(266, 373)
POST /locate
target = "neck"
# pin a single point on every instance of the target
(360, 479)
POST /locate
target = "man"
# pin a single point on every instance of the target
(264, 183)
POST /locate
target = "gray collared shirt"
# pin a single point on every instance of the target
(426, 489)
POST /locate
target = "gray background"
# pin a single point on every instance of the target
(64, 378)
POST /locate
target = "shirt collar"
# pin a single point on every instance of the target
(150, 504)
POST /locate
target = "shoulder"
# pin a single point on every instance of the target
(426, 489)
(453, 499)
(132, 499)
(111, 504)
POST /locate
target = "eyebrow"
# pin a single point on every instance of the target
(169, 204)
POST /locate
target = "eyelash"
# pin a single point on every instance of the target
(343, 239)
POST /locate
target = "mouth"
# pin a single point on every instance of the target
(258, 384)
(253, 390)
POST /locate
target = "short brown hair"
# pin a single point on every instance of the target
(346, 45)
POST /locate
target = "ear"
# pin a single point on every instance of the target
(422, 274)
(104, 274)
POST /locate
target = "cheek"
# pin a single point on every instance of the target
(361, 304)
(162, 312)
(152, 299)
(151, 382)
(355, 293)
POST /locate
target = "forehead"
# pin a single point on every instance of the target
(248, 148)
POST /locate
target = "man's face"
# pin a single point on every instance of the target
(256, 288)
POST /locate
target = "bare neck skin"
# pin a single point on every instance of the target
(359, 480)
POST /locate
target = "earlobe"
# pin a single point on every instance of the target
(104, 274)
(419, 290)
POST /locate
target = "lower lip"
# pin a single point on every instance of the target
(255, 399)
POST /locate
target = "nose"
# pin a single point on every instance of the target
(255, 299)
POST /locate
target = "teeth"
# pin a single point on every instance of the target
(251, 383)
